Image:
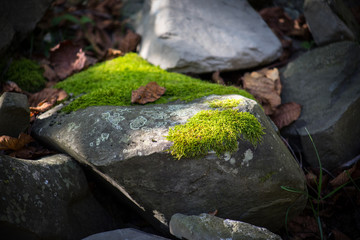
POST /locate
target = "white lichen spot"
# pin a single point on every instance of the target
(155, 114)
(232, 161)
(91, 144)
(36, 175)
(227, 156)
(138, 122)
(113, 119)
(140, 153)
(72, 127)
(46, 182)
(248, 155)
(102, 138)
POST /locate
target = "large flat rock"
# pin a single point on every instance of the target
(205, 35)
(127, 147)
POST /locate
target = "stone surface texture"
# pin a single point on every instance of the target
(14, 114)
(325, 26)
(326, 82)
(209, 227)
(124, 234)
(47, 199)
(205, 35)
(18, 18)
(127, 146)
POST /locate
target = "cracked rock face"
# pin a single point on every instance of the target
(127, 147)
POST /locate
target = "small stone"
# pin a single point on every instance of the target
(126, 233)
(14, 114)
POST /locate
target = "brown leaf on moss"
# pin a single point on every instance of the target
(285, 114)
(11, 143)
(113, 53)
(149, 93)
(265, 85)
(66, 59)
(49, 73)
(217, 78)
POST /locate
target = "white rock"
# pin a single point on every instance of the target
(205, 35)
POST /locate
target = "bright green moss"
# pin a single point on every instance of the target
(111, 83)
(227, 103)
(27, 74)
(214, 130)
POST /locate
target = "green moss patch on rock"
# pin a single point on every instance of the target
(227, 103)
(214, 130)
(111, 83)
(27, 74)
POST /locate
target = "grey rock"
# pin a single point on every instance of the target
(205, 35)
(127, 147)
(325, 26)
(326, 82)
(209, 227)
(124, 234)
(47, 199)
(14, 114)
(19, 17)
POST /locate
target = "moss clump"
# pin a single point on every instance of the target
(27, 74)
(214, 130)
(227, 103)
(111, 83)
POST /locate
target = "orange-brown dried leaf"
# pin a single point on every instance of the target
(67, 58)
(286, 113)
(214, 212)
(11, 143)
(265, 90)
(113, 53)
(149, 93)
(343, 177)
(217, 78)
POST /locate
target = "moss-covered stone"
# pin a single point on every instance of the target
(228, 103)
(27, 74)
(214, 130)
(111, 83)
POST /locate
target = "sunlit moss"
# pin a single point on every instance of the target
(226, 103)
(111, 83)
(214, 130)
(27, 74)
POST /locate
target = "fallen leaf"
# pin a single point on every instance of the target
(10, 86)
(113, 53)
(344, 176)
(217, 78)
(31, 152)
(11, 143)
(214, 212)
(149, 93)
(339, 235)
(285, 114)
(128, 42)
(67, 58)
(303, 226)
(50, 95)
(49, 73)
(265, 89)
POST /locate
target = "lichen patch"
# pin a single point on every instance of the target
(248, 156)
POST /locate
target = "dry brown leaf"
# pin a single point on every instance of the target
(149, 93)
(10, 86)
(113, 53)
(303, 226)
(67, 58)
(339, 235)
(128, 42)
(343, 177)
(50, 95)
(31, 152)
(49, 73)
(217, 78)
(214, 212)
(285, 114)
(11, 143)
(266, 90)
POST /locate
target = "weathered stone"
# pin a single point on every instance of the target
(47, 199)
(14, 114)
(209, 227)
(205, 35)
(325, 26)
(124, 234)
(326, 82)
(126, 145)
